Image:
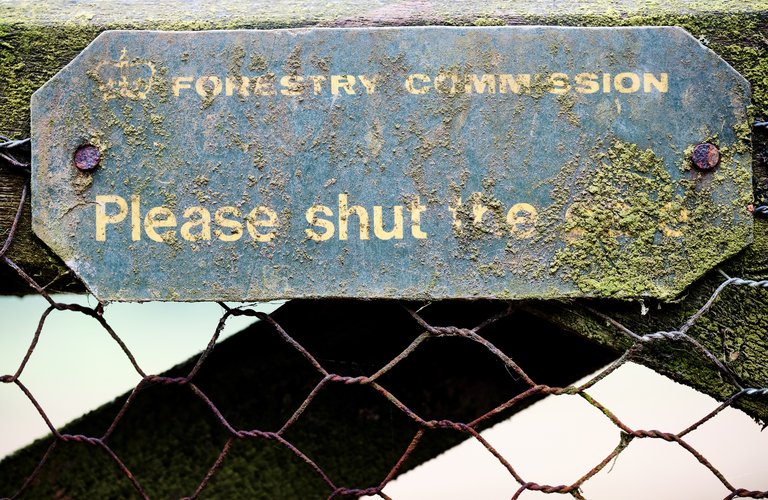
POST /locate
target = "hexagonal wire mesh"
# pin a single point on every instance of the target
(13, 153)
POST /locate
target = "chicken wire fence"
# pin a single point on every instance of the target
(15, 154)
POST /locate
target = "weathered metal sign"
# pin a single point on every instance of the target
(503, 162)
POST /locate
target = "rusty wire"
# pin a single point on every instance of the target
(13, 152)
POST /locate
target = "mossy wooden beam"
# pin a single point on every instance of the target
(37, 39)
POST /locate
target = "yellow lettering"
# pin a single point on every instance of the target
(606, 83)
(135, 217)
(559, 83)
(317, 83)
(634, 86)
(102, 219)
(293, 85)
(478, 210)
(346, 82)
(455, 221)
(202, 221)
(208, 86)
(416, 210)
(481, 84)
(237, 82)
(378, 224)
(521, 220)
(311, 216)
(412, 89)
(159, 217)
(181, 82)
(235, 226)
(441, 79)
(369, 83)
(264, 85)
(514, 83)
(682, 218)
(661, 84)
(586, 83)
(252, 222)
(345, 212)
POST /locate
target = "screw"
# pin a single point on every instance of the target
(705, 156)
(87, 157)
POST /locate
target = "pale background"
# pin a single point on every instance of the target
(77, 367)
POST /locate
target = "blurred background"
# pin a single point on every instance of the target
(77, 367)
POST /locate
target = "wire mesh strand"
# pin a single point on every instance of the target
(13, 153)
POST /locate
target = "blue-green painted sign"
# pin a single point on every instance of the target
(417, 163)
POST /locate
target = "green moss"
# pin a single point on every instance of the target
(29, 57)
(488, 21)
(567, 102)
(34, 46)
(624, 227)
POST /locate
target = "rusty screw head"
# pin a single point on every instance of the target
(705, 156)
(87, 157)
